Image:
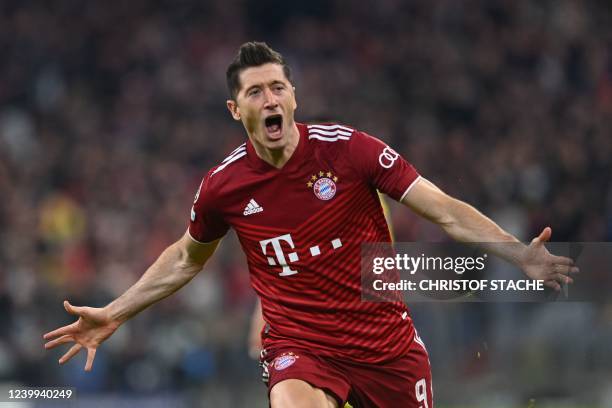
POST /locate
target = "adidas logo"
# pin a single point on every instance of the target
(252, 208)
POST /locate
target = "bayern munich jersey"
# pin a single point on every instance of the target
(301, 228)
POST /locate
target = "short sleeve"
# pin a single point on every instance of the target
(381, 166)
(206, 223)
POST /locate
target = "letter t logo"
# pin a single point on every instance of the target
(280, 255)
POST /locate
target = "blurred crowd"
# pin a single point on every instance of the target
(110, 113)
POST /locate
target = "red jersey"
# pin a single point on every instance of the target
(302, 227)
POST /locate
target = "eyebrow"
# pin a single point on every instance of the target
(271, 83)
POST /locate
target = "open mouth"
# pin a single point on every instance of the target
(274, 124)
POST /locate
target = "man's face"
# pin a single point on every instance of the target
(265, 104)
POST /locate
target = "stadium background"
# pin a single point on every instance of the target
(110, 113)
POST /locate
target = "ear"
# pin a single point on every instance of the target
(232, 106)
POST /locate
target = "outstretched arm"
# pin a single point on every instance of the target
(464, 223)
(176, 266)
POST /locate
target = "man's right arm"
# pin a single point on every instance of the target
(174, 268)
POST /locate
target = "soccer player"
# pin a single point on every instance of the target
(302, 199)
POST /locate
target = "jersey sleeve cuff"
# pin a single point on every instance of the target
(409, 188)
(195, 240)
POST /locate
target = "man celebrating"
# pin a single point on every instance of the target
(302, 199)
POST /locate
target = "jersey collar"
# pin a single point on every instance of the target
(294, 161)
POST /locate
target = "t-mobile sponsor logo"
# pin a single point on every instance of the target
(279, 256)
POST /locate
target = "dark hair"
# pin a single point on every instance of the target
(252, 54)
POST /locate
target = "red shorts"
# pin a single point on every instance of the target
(402, 383)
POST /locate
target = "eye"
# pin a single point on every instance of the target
(253, 92)
(278, 87)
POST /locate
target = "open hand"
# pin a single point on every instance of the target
(538, 263)
(93, 327)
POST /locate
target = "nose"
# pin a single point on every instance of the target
(270, 101)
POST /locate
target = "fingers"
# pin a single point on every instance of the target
(91, 354)
(71, 353)
(69, 329)
(563, 278)
(556, 280)
(565, 269)
(559, 275)
(544, 235)
(73, 310)
(552, 284)
(54, 343)
(562, 260)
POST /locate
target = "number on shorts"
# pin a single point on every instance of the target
(420, 390)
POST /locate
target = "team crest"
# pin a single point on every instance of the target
(323, 185)
(285, 360)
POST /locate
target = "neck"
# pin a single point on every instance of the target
(279, 157)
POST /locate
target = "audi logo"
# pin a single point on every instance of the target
(388, 157)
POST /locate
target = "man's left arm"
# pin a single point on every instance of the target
(464, 223)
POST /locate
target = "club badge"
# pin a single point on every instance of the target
(285, 360)
(323, 185)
